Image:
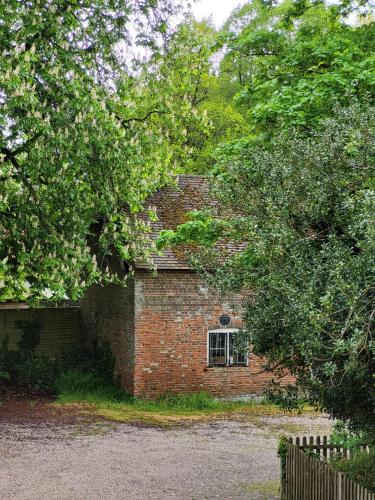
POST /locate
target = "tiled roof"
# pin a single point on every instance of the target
(172, 205)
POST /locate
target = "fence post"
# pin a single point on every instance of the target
(339, 485)
(309, 476)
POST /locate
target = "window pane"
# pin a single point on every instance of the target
(236, 357)
(218, 349)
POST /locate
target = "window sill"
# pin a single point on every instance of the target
(226, 366)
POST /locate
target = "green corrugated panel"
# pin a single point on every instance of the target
(60, 328)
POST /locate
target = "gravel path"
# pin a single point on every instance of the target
(100, 460)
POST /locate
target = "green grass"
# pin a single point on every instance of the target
(264, 489)
(89, 393)
(73, 386)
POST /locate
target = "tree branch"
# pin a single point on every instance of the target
(144, 118)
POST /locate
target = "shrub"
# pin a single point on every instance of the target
(343, 437)
(4, 375)
(30, 337)
(21, 369)
(27, 374)
(360, 467)
(87, 375)
(97, 359)
(4, 365)
(77, 370)
(76, 385)
(288, 397)
(36, 374)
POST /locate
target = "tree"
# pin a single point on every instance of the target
(342, 7)
(305, 207)
(295, 73)
(78, 143)
(214, 118)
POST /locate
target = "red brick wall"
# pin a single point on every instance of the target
(173, 313)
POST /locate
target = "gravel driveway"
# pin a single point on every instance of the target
(101, 460)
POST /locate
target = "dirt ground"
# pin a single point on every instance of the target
(53, 453)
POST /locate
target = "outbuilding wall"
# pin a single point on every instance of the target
(173, 314)
(60, 328)
(107, 314)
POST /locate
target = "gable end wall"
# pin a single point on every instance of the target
(173, 313)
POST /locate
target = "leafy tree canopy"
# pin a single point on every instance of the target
(295, 74)
(85, 101)
(194, 52)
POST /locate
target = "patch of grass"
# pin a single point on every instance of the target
(73, 386)
(267, 489)
(179, 402)
(99, 428)
(278, 429)
(89, 393)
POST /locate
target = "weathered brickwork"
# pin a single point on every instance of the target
(108, 314)
(158, 328)
(173, 314)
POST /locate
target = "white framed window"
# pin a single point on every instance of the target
(221, 349)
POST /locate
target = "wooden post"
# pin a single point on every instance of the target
(308, 475)
(339, 486)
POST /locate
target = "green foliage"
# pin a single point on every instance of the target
(304, 204)
(211, 116)
(4, 375)
(75, 385)
(343, 7)
(226, 124)
(295, 73)
(97, 359)
(299, 188)
(360, 468)
(76, 370)
(307, 209)
(282, 452)
(87, 374)
(4, 350)
(202, 228)
(343, 437)
(286, 397)
(27, 374)
(83, 139)
(22, 369)
(30, 337)
(34, 374)
(195, 401)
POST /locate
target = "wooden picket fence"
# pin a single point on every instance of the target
(308, 476)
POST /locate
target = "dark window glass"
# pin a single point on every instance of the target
(223, 352)
(218, 349)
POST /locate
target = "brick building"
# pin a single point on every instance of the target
(166, 331)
